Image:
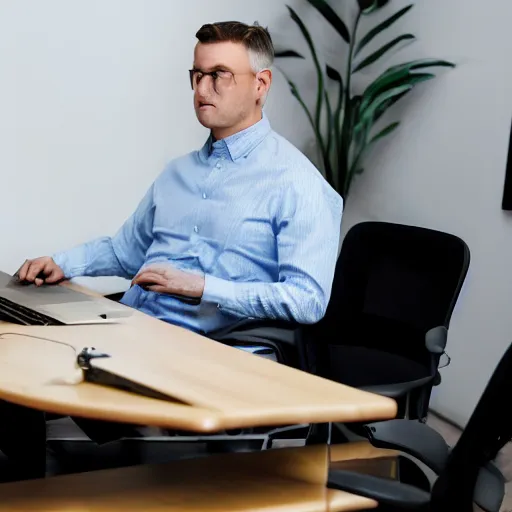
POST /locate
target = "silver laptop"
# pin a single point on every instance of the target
(54, 305)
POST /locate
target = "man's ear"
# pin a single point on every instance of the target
(264, 81)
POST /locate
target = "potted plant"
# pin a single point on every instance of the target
(345, 128)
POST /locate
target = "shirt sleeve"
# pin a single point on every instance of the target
(308, 237)
(121, 255)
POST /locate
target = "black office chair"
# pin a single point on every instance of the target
(466, 473)
(385, 328)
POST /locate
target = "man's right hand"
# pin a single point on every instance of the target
(41, 271)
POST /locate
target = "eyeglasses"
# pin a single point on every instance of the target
(221, 79)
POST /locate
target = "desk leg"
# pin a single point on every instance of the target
(319, 433)
(23, 440)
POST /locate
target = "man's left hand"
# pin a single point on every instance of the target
(167, 279)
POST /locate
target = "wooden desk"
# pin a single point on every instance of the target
(215, 386)
(287, 480)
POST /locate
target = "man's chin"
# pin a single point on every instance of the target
(206, 119)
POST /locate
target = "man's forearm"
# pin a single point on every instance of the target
(95, 258)
(276, 301)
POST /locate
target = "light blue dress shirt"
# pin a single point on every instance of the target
(249, 212)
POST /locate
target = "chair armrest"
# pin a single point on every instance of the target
(413, 438)
(429, 447)
(384, 491)
(272, 330)
(284, 337)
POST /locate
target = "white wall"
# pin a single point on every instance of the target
(94, 100)
(445, 168)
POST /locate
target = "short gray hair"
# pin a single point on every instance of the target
(254, 37)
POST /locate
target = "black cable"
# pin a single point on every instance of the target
(38, 338)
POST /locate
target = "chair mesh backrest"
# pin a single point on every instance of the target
(488, 430)
(392, 284)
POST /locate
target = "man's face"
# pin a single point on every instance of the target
(227, 98)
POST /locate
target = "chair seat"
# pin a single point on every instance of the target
(363, 367)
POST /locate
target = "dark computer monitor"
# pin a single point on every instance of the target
(507, 191)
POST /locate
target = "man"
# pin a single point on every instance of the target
(246, 225)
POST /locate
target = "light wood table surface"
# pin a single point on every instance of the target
(214, 386)
(286, 480)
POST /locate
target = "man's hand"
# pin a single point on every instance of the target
(40, 271)
(162, 278)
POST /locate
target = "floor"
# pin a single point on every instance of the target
(77, 455)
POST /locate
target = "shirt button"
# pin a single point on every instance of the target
(204, 195)
(218, 306)
(196, 229)
(218, 166)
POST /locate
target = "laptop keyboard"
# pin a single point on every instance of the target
(12, 312)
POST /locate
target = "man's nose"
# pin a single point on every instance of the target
(204, 87)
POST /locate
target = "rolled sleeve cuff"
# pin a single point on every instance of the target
(220, 292)
(63, 262)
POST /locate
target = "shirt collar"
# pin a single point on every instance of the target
(239, 144)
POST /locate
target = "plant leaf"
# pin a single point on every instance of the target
(364, 148)
(383, 82)
(367, 116)
(386, 131)
(328, 148)
(385, 106)
(333, 74)
(328, 13)
(417, 78)
(288, 53)
(355, 114)
(320, 75)
(295, 92)
(372, 8)
(381, 51)
(369, 6)
(420, 64)
(395, 74)
(393, 79)
(358, 138)
(382, 26)
(355, 140)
